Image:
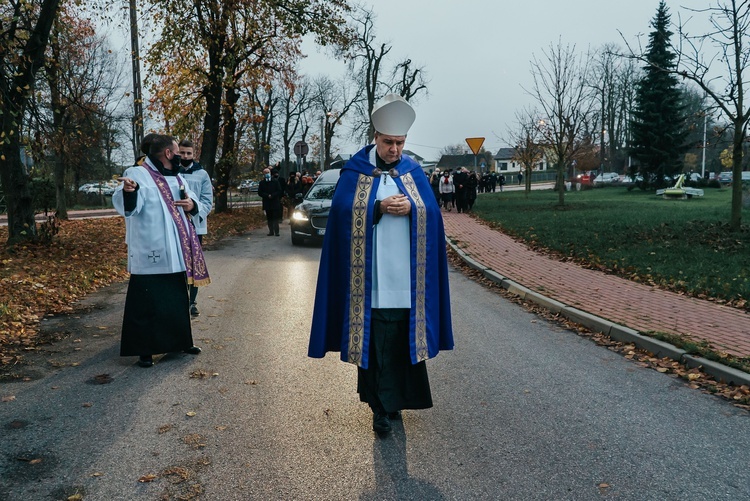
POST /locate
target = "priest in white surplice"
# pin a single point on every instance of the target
(164, 255)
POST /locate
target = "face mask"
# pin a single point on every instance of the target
(185, 162)
(175, 161)
(268, 177)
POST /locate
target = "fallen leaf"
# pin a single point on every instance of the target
(190, 413)
(87, 404)
(147, 478)
(35, 461)
(221, 428)
(9, 398)
(165, 428)
(102, 379)
(662, 369)
(693, 377)
(97, 474)
(75, 497)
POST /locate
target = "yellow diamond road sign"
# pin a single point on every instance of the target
(475, 143)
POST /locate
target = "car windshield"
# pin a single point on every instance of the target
(321, 192)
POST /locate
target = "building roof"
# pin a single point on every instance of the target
(456, 161)
(413, 155)
(505, 154)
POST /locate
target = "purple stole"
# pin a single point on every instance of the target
(192, 253)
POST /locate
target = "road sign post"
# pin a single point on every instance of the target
(301, 150)
(475, 143)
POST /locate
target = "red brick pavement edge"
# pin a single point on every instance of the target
(640, 307)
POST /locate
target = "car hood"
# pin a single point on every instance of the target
(317, 207)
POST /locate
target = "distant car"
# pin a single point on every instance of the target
(607, 178)
(104, 188)
(725, 177)
(310, 217)
(694, 177)
(248, 186)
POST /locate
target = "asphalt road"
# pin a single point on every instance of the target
(523, 409)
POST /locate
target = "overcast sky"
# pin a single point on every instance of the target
(477, 56)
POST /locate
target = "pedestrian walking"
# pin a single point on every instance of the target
(382, 296)
(269, 191)
(446, 190)
(164, 254)
(200, 183)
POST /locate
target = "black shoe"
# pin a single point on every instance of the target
(194, 310)
(269, 234)
(278, 235)
(380, 423)
(193, 350)
(394, 416)
(147, 361)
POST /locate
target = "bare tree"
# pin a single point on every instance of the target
(334, 100)
(366, 58)
(527, 141)
(613, 82)
(408, 80)
(295, 100)
(565, 102)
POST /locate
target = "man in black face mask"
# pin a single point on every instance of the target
(199, 181)
(164, 255)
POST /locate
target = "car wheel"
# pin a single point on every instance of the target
(297, 240)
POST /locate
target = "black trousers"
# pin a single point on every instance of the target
(193, 288)
(391, 382)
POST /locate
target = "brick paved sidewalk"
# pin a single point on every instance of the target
(640, 307)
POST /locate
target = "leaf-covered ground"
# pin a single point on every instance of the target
(86, 254)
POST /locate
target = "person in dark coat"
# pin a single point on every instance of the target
(460, 179)
(269, 190)
(471, 190)
(293, 192)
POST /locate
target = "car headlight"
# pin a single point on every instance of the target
(300, 216)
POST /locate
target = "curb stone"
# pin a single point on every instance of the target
(720, 372)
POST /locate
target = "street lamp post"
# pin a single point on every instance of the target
(703, 161)
(322, 141)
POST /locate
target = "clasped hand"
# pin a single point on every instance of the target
(396, 205)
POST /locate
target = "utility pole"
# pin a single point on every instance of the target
(137, 97)
(703, 162)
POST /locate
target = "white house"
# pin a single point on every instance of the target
(504, 162)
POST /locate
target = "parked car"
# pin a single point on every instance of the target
(248, 186)
(102, 188)
(725, 177)
(310, 217)
(607, 178)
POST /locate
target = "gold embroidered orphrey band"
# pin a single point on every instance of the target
(419, 314)
(357, 258)
(358, 246)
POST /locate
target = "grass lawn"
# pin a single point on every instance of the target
(682, 245)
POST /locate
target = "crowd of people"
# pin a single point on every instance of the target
(458, 189)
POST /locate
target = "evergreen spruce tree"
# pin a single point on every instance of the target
(658, 127)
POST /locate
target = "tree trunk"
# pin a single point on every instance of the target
(212, 119)
(735, 220)
(15, 181)
(15, 88)
(226, 163)
(560, 184)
